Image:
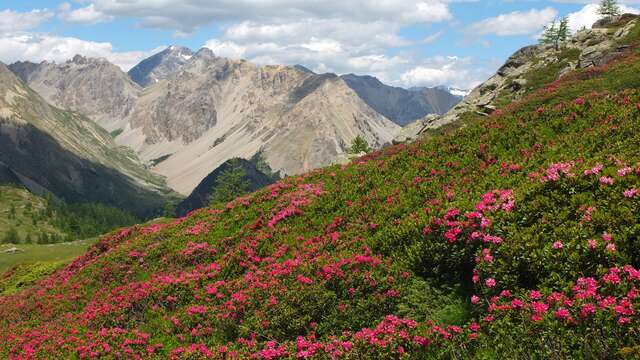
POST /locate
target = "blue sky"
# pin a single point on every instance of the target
(403, 42)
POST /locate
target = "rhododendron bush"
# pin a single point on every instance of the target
(516, 235)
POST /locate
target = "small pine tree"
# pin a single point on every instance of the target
(169, 209)
(359, 145)
(229, 185)
(549, 33)
(609, 8)
(556, 33)
(43, 239)
(563, 31)
(261, 164)
(28, 239)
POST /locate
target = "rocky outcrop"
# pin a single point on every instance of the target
(200, 196)
(93, 87)
(215, 109)
(160, 66)
(400, 105)
(49, 150)
(595, 47)
(410, 132)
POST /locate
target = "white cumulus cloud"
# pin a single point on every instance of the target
(514, 23)
(442, 70)
(84, 15)
(14, 21)
(588, 15)
(188, 15)
(41, 47)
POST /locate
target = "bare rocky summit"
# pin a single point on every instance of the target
(215, 109)
(160, 66)
(94, 87)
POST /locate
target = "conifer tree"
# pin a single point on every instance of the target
(609, 8)
(556, 33)
(359, 145)
(11, 237)
(563, 30)
(549, 34)
(230, 184)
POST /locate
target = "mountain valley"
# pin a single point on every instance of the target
(199, 110)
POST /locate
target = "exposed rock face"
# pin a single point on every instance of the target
(215, 109)
(596, 47)
(51, 150)
(200, 196)
(400, 105)
(204, 110)
(410, 132)
(160, 66)
(94, 87)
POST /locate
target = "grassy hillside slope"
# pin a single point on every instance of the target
(23, 211)
(513, 236)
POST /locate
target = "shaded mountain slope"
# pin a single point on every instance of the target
(52, 150)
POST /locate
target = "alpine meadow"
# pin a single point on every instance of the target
(222, 208)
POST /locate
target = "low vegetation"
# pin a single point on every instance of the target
(31, 219)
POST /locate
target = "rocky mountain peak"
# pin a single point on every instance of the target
(160, 66)
(78, 59)
(205, 53)
(91, 86)
(215, 109)
(303, 69)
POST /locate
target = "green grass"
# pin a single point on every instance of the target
(29, 254)
(24, 275)
(27, 208)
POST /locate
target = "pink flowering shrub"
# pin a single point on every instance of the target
(511, 237)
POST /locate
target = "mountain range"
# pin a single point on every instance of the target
(187, 113)
(62, 153)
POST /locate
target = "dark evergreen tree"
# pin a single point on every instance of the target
(229, 185)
